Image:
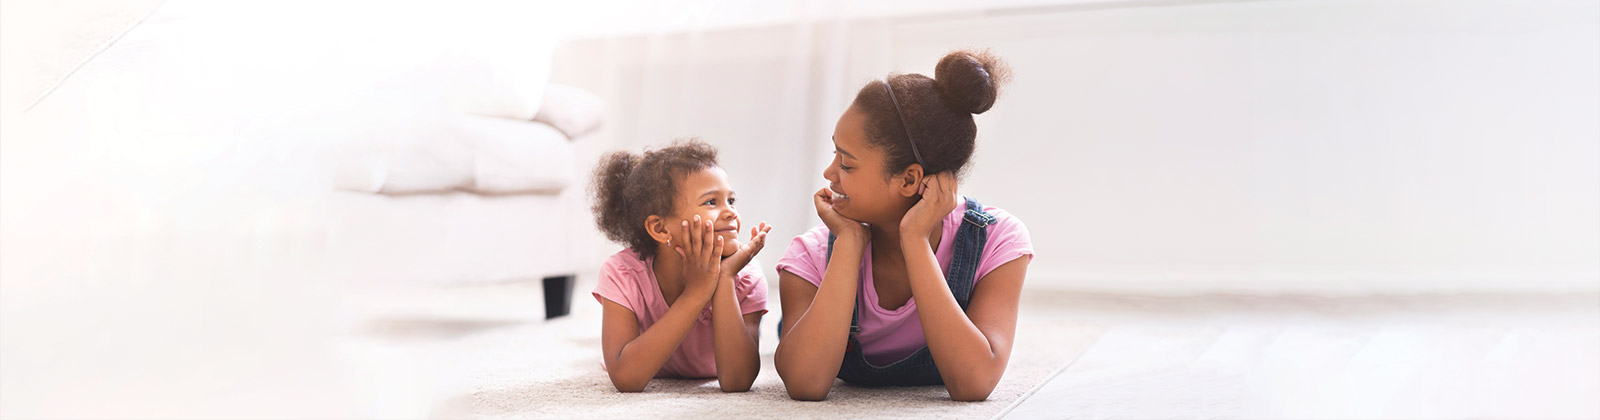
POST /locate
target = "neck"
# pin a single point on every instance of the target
(886, 237)
(668, 267)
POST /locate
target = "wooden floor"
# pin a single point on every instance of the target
(1304, 357)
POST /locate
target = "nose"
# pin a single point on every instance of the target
(829, 173)
(728, 217)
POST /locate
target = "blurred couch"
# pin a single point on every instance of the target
(393, 153)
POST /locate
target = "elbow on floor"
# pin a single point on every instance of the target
(970, 393)
(804, 389)
(808, 392)
(737, 386)
(629, 386)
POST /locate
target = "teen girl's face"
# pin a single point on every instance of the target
(862, 188)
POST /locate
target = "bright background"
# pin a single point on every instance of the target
(176, 230)
(1349, 147)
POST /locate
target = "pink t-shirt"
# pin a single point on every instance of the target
(888, 335)
(629, 281)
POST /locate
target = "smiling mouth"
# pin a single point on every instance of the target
(838, 195)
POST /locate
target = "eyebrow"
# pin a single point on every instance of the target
(837, 149)
(714, 191)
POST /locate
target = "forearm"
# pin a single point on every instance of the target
(813, 347)
(965, 356)
(738, 360)
(641, 359)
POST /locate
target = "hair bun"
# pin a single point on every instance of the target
(970, 81)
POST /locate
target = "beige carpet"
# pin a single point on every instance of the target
(552, 371)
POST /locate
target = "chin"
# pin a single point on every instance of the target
(847, 212)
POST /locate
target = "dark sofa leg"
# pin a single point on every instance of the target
(558, 296)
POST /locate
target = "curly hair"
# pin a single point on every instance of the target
(628, 188)
(938, 111)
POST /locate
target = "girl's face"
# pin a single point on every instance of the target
(706, 193)
(862, 189)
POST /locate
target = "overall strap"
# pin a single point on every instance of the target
(855, 310)
(968, 251)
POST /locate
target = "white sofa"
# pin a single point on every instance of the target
(445, 225)
(416, 148)
(218, 203)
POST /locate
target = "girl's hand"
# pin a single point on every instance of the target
(747, 251)
(938, 200)
(841, 226)
(702, 254)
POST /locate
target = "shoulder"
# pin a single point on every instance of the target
(807, 254)
(1004, 222)
(811, 241)
(816, 236)
(752, 275)
(752, 270)
(622, 277)
(1007, 240)
(625, 263)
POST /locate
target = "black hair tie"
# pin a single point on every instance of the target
(904, 126)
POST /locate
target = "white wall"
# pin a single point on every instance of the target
(1348, 146)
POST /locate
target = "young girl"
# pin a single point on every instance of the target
(683, 299)
(905, 282)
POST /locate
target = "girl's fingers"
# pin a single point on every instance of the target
(715, 239)
(684, 244)
(696, 231)
(691, 241)
(700, 232)
(823, 198)
(716, 251)
(759, 234)
(710, 244)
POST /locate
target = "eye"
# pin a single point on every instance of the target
(710, 202)
(731, 200)
(845, 168)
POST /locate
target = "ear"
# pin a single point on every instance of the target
(906, 183)
(657, 227)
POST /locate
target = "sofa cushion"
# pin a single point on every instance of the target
(574, 111)
(519, 157)
(477, 154)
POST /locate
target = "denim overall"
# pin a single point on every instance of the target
(918, 368)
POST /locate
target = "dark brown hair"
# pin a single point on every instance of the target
(629, 188)
(938, 111)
